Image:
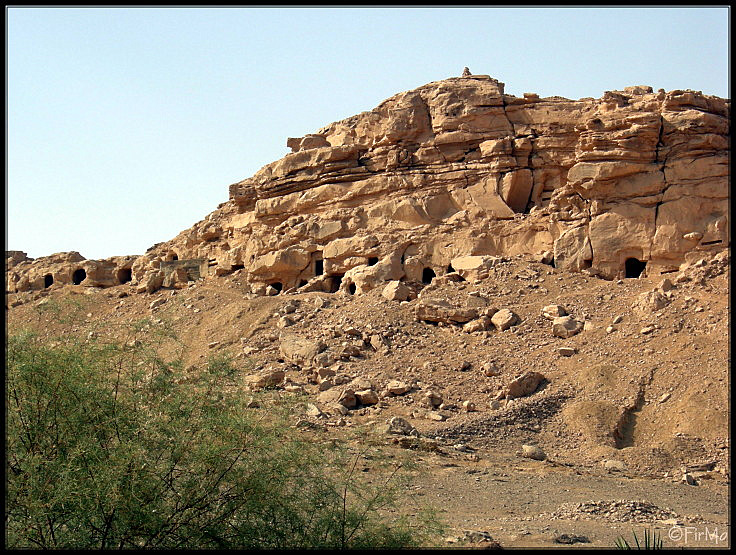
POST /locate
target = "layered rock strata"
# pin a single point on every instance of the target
(635, 181)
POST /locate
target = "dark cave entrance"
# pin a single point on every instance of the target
(372, 261)
(79, 276)
(319, 267)
(634, 267)
(335, 282)
(48, 280)
(125, 275)
(428, 275)
(277, 285)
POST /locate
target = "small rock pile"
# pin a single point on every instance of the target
(614, 511)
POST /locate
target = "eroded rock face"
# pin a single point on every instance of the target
(457, 172)
(66, 268)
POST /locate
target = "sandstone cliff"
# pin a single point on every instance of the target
(455, 170)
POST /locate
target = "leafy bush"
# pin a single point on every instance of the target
(109, 447)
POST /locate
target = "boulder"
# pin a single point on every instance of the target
(396, 291)
(553, 311)
(566, 326)
(533, 452)
(504, 319)
(264, 380)
(437, 310)
(524, 385)
(298, 349)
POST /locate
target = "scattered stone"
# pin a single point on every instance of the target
(476, 536)
(533, 452)
(442, 311)
(547, 257)
(566, 351)
(612, 511)
(336, 408)
(285, 322)
(689, 479)
(569, 539)
(504, 319)
(156, 303)
(614, 465)
(479, 324)
(524, 385)
(367, 397)
(378, 342)
(566, 326)
(432, 399)
(553, 311)
(395, 387)
(298, 349)
(264, 380)
(396, 291)
(326, 383)
(650, 302)
(398, 425)
(463, 366)
(344, 396)
(313, 411)
(665, 285)
(490, 369)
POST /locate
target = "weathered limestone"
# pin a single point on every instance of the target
(451, 176)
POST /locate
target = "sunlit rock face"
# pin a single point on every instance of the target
(457, 168)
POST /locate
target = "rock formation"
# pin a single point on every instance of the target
(635, 181)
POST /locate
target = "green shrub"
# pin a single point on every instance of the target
(107, 447)
(652, 540)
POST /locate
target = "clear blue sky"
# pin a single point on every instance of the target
(126, 125)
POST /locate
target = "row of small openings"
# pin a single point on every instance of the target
(77, 277)
(634, 268)
(319, 265)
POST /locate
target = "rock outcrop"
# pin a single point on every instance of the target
(457, 172)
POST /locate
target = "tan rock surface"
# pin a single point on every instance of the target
(452, 169)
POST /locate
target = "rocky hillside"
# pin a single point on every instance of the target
(520, 290)
(635, 182)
